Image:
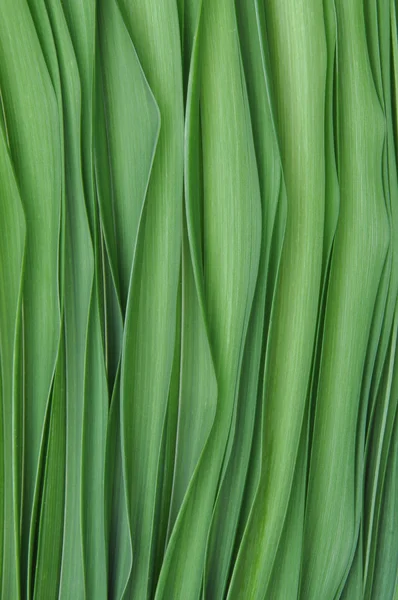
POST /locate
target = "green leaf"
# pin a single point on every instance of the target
(118, 539)
(359, 252)
(165, 478)
(27, 89)
(284, 580)
(49, 544)
(229, 499)
(132, 124)
(224, 284)
(12, 247)
(151, 306)
(377, 456)
(293, 323)
(386, 567)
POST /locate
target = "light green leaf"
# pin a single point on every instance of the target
(359, 252)
(229, 500)
(295, 37)
(230, 231)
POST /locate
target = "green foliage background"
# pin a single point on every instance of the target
(198, 299)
